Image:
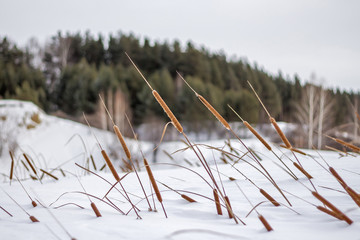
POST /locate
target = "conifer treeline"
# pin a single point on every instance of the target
(69, 72)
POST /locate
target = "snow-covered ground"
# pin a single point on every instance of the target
(56, 142)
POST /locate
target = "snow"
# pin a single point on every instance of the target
(55, 141)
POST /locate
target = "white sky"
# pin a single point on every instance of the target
(292, 36)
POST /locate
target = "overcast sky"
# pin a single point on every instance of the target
(292, 36)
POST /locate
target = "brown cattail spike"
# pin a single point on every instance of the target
(12, 166)
(265, 223)
(214, 112)
(329, 212)
(95, 209)
(33, 203)
(217, 202)
(332, 207)
(152, 180)
(302, 170)
(270, 198)
(33, 219)
(167, 110)
(187, 198)
(257, 135)
(122, 141)
(349, 145)
(280, 133)
(228, 207)
(110, 165)
(30, 164)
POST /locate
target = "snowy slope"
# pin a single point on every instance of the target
(198, 220)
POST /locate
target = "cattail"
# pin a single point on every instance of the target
(281, 134)
(30, 164)
(167, 110)
(349, 145)
(331, 213)
(265, 223)
(152, 180)
(12, 166)
(353, 195)
(332, 207)
(33, 203)
(302, 170)
(228, 207)
(110, 165)
(93, 162)
(257, 135)
(217, 202)
(232, 179)
(213, 111)
(95, 209)
(33, 219)
(187, 198)
(298, 151)
(122, 141)
(49, 174)
(270, 198)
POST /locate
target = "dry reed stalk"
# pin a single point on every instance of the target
(49, 174)
(217, 202)
(228, 207)
(329, 212)
(122, 141)
(265, 223)
(302, 170)
(332, 207)
(167, 110)
(270, 198)
(6, 211)
(30, 164)
(95, 209)
(110, 165)
(12, 166)
(257, 135)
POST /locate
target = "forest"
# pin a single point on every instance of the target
(65, 76)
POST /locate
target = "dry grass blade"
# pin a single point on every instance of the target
(217, 202)
(302, 170)
(49, 174)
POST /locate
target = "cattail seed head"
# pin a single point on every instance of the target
(228, 207)
(122, 141)
(30, 164)
(95, 209)
(152, 180)
(280, 133)
(167, 110)
(217, 202)
(257, 135)
(33, 219)
(302, 170)
(270, 198)
(349, 145)
(33, 203)
(329, 212)
(265, 223)
(110, 165)
(187, 198)
(214, 112)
